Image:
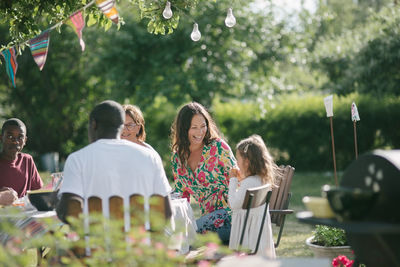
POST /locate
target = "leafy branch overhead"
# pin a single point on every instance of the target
(28, 18)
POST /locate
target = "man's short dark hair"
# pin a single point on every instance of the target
(13, 122)
(109, 115)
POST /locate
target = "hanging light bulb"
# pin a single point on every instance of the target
(230, 20)
(195, 35)
(167, 13)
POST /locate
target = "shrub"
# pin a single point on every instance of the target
(329, 236)
(298, 132)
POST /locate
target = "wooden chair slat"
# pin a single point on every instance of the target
(280, 198)
(136, 204)
(75, 207)
(116, 205)
(160, 211)
(95, 205)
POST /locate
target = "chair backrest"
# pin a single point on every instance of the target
(159, 206)
(259, 196)
(280, 193)
(159, 211)
(255, 197)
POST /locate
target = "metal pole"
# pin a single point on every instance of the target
(355, 138)
(333, 152)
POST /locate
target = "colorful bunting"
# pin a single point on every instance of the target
(39, 44)
(39, 47)
(77, 22)
(11, 63)
(108, 8)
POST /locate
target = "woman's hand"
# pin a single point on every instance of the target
(235, 172)
(7, 196)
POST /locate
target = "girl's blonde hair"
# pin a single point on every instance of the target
(260, 160)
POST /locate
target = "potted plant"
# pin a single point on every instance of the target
(329, 242)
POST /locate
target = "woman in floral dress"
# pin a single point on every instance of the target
(201, 162)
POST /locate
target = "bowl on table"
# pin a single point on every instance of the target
(350, 204)
(43, 199)
(319, 206)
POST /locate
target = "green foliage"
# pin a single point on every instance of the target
(297, 130)
(329, 236)
(28, 18)
(110, 245)
(364, 59)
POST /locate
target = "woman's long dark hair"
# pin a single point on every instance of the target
(180, 128)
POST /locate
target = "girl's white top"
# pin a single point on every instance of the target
(237, 192)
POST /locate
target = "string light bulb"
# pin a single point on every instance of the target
(230, 19)
(195, 35)
(167, 13)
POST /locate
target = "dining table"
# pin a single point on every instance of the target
(183, 225)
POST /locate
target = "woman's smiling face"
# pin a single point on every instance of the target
(197, 130)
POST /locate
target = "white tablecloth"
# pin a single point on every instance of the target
(183, 225)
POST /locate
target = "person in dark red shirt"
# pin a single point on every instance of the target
(18, 172)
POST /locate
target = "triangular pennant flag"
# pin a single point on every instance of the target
(11, 63)
(354, 112)
(39, 47)
(77, 22)
(108, 8)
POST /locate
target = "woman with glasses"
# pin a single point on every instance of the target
(134, 129)
(201, 162)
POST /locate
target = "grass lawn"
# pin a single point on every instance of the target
(292, 243)
(294, 235)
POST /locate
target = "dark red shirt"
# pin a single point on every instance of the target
(20, 174)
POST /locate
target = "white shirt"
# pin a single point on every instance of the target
(235, 198)
(110, 167)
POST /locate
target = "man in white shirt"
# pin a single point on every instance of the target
(110, 165)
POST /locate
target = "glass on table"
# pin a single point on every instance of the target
(56, 180)
(175, 195)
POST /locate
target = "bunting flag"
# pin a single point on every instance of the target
(108, 8)
(77, 22)
(39, 47)
(354, 112)
(11, 63)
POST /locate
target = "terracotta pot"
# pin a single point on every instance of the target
(329, 252)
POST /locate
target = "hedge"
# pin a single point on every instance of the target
(297, 130)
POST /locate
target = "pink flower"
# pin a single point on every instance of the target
(211, 209)
(159, 245)
(189, 190)
(218, 223)
(212, 160)
(342, 260)
(221, 163)
(201, 177)
(181, 171)
(211, 249)
(224, 146)
(213, 150)
(211, 167)
(203, 263)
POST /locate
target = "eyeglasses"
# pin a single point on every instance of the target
(13, 139)
(130, 126)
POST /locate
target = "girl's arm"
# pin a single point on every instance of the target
(234, 197)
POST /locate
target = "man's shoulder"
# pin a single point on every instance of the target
(25, 156)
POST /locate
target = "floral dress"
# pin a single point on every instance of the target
(209, 183)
